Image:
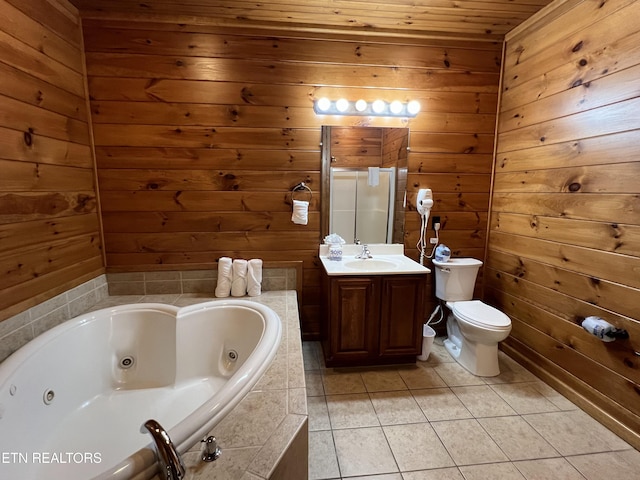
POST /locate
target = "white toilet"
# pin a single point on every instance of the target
(473, 328)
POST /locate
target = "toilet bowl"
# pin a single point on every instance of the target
(473, 332)
(474, 328)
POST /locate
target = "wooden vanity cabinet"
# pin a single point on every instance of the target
(372, 320)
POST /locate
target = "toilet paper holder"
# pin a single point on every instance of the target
(603, 330)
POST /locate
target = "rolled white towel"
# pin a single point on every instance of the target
(300, 212)
(254, 277)
(239, 282)
(223, 289)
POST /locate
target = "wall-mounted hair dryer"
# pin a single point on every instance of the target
(424, 202)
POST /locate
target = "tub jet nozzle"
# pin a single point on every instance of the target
(127, 362)
(48, 396)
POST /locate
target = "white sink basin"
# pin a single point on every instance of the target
(388, 259)
(371, 265)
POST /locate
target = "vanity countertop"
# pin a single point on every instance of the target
(387, 259)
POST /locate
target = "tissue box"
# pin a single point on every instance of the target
(335, 251)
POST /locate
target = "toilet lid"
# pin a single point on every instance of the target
(476, 312)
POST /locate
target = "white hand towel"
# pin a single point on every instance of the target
(300, 212)
(254, 277)
(223, 289)
(374, 176)
(239, 282)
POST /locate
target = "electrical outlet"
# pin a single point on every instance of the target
(435, 219)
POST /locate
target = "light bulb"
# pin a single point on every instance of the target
(378, 106)
(342, 105)
(361, 105)
(413, 107)
(395, 107)
(324, 104)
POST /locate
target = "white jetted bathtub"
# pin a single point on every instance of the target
(73, 400)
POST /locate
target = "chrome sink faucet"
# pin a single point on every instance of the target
(365, 252)
(172, 466)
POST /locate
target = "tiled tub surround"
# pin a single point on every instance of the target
(20, 329)
(435, 421)
(190, 281)
(265, 436)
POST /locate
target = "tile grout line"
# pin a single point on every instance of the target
(494, 388)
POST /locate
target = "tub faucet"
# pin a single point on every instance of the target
(168, 457)
(365, 252)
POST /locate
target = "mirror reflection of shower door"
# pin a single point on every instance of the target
(359, 211)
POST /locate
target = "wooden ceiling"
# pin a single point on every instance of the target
(472, 19)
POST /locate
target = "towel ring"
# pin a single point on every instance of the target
(302, 187)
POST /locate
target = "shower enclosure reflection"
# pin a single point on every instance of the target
(362, 204)
(364, 175)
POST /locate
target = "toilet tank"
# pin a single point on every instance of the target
(456, 278)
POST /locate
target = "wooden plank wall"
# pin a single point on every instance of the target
(356, 147)
(564, 239)
(49, 228)
(201, 132)
(395, 144)
(465, 19)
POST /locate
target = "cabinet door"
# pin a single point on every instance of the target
(354, 320)
(401, 315)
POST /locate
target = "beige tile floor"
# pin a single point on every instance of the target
(435, 421)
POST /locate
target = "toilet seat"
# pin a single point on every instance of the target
(480, 314)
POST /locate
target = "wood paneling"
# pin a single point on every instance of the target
(356, 147)
(49, 227)
(202, 131)
(203, 121)
(564, 238)
(465, 18)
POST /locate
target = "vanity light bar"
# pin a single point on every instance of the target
(379, 108)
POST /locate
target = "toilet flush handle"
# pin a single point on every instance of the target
(445, 269)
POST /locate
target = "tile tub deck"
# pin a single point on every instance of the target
(265, 435)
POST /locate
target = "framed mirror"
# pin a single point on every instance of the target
(364, 179)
